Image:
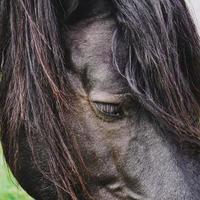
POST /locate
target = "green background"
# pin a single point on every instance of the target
(9, 189)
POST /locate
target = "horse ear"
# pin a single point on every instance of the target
(66, 7)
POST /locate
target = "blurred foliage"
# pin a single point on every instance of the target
(9, 189)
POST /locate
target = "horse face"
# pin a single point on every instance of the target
(127, 155)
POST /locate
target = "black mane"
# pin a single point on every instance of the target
(162, 69)
(163, 61)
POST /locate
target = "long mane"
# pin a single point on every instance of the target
(162, 69)
(163, 61)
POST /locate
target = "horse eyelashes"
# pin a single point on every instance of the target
(109, 109)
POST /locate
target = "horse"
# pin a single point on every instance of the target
(101, 99)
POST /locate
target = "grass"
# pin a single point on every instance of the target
(9, 189)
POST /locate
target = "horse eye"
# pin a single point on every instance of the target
(111, 110)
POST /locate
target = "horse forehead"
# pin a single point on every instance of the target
(90, 42)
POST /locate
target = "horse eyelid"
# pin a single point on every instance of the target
(104, 97)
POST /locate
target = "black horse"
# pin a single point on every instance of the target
(100, 99)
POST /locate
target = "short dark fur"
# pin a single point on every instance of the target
(162, 69)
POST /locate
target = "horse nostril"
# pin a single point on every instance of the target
(121, 190)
